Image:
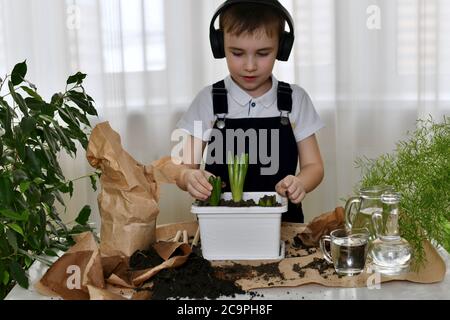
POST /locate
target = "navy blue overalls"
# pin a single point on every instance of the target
(288, 152)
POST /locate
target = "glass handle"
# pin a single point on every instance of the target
(349, 216)
(377, 221)
(326, 254)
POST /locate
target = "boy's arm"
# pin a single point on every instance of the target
(311, 172)
(311, 164)
(192, 152)
(192, 179)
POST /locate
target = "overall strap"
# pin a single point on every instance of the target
(220, 100)
(284, 97)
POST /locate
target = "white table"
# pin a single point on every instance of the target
(386, 291)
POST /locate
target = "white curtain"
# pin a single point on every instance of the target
(371, 67)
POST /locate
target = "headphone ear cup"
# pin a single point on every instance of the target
(217, 45)
(285, 46)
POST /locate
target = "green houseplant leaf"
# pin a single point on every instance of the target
(18, 73)
(32, 133)
(83, 216)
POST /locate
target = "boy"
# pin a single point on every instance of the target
(251, 37)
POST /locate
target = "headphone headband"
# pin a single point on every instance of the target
(286, 39)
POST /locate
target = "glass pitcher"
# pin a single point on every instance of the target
(359, 209)
(391, 254)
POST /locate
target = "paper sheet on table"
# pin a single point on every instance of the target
(433, 271)
(79, 267)
(81, 272)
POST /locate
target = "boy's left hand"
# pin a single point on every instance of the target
(291, 187)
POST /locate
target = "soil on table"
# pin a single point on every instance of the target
(194, 279)
(145, 259)
(198, 279)
(296, 248)
(238, 271)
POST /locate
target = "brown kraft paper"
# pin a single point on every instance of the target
(433, 270)
(93, 270)
(128, 200)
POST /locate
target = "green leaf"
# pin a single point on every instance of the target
(16, 228)
(31, 93)
(34, 104)
(4, 274)
(84, 215)
(18, 99)
(38, 180)
(67, 116)
(93, 179)
(12, 239)
(24, 186)
(59, 198)
(19, 176)
(57, 99)
(18, 73)
(50, 253)
(27, 124)
(5, 277)
(33, 161)
(82, 101)
(66, 142)
(52, 143)
(80, 229)
(33, 195)
(46, 118)
(81, 116)
(8, 213)
(18, 274)
(76, 78)
(70, 189)
(9, 114)
(6, 194)
(28, 261)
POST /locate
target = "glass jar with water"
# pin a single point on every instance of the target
(390, 253)
(359, 209)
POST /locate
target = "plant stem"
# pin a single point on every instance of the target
(82, 177)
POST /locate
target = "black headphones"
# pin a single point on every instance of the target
(286, 39)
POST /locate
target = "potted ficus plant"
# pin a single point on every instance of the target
(240, 225)
(32, 134)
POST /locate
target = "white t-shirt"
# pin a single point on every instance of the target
(304, 119)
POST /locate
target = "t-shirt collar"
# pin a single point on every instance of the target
(243, 98)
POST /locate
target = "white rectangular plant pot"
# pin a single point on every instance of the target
(241, 233)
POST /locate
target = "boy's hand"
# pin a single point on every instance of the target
(291, 187)
(195, 181)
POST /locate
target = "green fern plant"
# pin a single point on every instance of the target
(419, 168)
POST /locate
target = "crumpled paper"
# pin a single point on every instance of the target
(322, 225)
(128, 205)
(128, 200)
(70, 275)
(82, 274)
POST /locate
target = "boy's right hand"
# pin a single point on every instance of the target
(195, 181)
